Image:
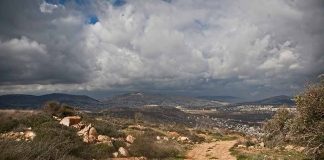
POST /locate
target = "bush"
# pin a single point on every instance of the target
(105, 128)
(278, 128)
(118, 143)
(148, 147)
(7, 125)
(56, 109)
(306, 127)
(100, 151)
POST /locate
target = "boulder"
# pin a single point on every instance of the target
(89, 134)
(130, 139)
(85, 130)
(261, 144)
(166, 138)
(70, 120)
(123, 152)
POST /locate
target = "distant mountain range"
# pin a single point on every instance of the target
(142, 99)
(32, 102)
(135, 99)
(276, 100)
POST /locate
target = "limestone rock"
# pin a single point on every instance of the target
(115, 154)
(89, 134)
(123, 152)
(93, 132)
(241, 146)
(30, 135)
(130, 139)
(103, 138)
(289, 147)
(182, 139)
(251, 147)
(70, 120)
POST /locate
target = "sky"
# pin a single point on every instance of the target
(243, 48)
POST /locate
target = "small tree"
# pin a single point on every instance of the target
(309, 127)
(306, 127)
(277, 128)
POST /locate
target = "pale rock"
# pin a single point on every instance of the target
(182, 139)
(261, 144)
(70, 120)
(93, 132)
(300, 149)
(57, 118)
(103, 138)
(123, 152)
(241, 146)
(158, 138)
(130, 139)
(30, 135)
(115, 154)
(251, 147)
(166, 138)
(85, 130)
(289, 147)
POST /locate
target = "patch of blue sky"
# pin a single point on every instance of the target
(93, 19)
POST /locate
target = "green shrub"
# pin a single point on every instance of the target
(105, 128)
(7, 125)
(100, 151)
(306, 127)
(118, 143)
(56, 109)
(36, 120)
(148, 147)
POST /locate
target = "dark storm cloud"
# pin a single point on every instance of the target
(35, 48)
(242, 48)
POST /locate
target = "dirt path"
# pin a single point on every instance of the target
(214, 150)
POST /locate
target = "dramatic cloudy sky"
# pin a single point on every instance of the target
(246, 48)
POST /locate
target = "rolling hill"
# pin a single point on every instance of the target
(276, 100)
(34, 102)
(141, 99)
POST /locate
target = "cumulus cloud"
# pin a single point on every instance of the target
(47, 8)
(214, 47)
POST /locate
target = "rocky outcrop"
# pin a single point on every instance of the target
(89, 134)
(71, 120)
